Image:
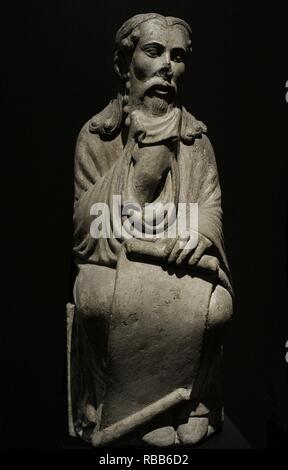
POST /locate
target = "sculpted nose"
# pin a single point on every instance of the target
(166, 69)
(167, 62)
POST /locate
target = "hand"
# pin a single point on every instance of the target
(180, 254)
(163, 248)
(151, 163)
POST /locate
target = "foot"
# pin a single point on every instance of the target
(193, 431)
(161, 437)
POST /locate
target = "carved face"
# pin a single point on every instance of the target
(157, 63)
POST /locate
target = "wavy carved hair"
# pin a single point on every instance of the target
(108, 122)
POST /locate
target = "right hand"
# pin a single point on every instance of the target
(151, 163)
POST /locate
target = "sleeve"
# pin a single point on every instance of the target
(88, 182)
(97, 173)
(209, 200)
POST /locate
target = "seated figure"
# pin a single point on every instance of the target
(151, 299)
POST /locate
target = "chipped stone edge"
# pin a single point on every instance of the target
(70, 311)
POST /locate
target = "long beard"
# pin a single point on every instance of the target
(156, 105)
(152, 103)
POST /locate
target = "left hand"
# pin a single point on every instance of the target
(180, 254)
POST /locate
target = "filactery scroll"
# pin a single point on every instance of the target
(146, 327)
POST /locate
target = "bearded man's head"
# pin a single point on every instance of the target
(149, 59)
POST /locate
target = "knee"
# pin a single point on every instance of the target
(93, 290)
(81, 296)
(220, 307)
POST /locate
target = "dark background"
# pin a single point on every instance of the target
(58, 74)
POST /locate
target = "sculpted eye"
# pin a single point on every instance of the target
(153, 50)
(178, 55)
(178, 58)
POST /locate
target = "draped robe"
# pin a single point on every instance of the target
(107, 380)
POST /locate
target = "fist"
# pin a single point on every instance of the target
(151, 165)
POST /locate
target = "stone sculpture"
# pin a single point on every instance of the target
(145, 333)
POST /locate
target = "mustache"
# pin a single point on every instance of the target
(160, 83)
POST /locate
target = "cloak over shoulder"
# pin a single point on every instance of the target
(101, 169)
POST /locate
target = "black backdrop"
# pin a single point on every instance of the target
(58, 74)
